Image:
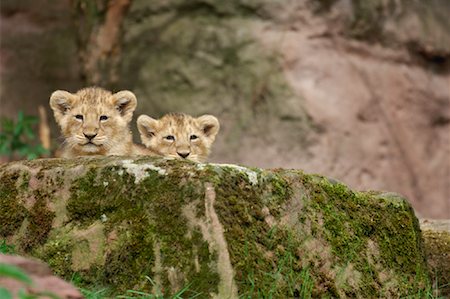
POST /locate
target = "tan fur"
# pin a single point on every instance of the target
(154, 135)
(79, 116)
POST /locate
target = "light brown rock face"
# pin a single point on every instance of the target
(43, 280)
(357, 90)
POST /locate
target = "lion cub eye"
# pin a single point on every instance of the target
(193, 137)
(170, 137)
(79, 117)
(103, 117)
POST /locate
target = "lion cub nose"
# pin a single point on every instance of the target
(183, 154)
(90, 136)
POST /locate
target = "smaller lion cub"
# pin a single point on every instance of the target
(95, 121)
(179, 135)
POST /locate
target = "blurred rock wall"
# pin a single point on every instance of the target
(38, 53)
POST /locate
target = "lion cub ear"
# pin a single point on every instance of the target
(125, 102)
(209, 125)
(61, 102)
(147, 127)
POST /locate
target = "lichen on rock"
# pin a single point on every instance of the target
(217, 230)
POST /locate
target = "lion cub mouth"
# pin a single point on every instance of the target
(90, 147)
(89, 143)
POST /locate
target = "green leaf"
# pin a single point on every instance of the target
(29, 132)
(5, 294)
(15, 273)
(5, 148)
(31, 156)
(40, 150)
(28, 126)
(22, 148)
(18, 129)
(15, 138)
(7, 125)
(31, 119)
(20, 117)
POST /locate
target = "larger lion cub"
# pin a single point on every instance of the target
(94, 121)
(179, 135)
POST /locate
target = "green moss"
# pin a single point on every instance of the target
(134, 254)
(147, 213)
(335, 214)
(265, 258)
(12, 212)
(352, 223)
(40, 222)
(90, 198)
(57, 251)
(23, 182)
(437, 247)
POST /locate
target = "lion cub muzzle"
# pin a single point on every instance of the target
(183, 151)
(90, 131)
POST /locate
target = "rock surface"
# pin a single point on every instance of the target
(43, 280)
(221, 231)
(38, 54)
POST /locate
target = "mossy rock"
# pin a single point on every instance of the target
(221, 231)
(436, 235)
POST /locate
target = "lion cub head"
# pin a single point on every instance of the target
(94, 121)
(179, 135)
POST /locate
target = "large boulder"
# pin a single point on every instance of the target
(222, 231)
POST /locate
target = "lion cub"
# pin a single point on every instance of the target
(179, 135)
(94, 121)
